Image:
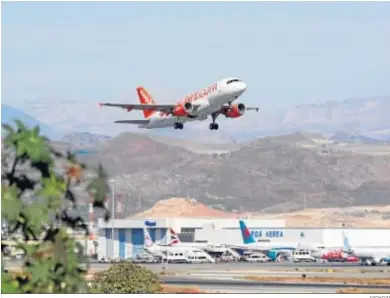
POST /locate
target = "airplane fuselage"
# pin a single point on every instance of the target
(373, 252)
(158, 250)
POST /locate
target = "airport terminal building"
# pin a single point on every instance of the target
(128, 234)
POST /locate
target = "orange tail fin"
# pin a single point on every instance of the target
(145, 98)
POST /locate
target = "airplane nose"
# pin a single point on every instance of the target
(243, 86)
(239, 88)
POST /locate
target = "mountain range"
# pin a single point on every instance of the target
(9, 114)
(273, 174)
(367, 117)
(77, 139)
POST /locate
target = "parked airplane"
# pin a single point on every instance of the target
(214, 100)
(175, 242)
(273, 249)
(368, 255)
(172, 253)
(157, 249)
(332, 255)
(211, 248)
(251, 244)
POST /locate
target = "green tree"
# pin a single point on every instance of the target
(38, 199)
(125, 278)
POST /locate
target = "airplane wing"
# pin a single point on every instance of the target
(132, 121)
(246, 248)
(129, 107)
(226, 107)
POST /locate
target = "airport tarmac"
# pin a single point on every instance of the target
(247, 286)
(268, 265)
(232, 277)
(245, 266)
(265, 290)
(343, 274)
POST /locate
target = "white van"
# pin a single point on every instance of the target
(199, 256)
(197, 259)
(174, 257)
(257, 258)
(303, 255)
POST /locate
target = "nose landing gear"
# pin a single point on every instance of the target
(178, 125)
(213, 126)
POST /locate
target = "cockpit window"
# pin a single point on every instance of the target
(231, 81)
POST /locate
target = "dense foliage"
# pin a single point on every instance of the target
(125, 278)
(38, 205)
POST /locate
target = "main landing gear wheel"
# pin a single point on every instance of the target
(178, 125)
(213, 126)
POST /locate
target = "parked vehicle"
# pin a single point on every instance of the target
(197, 259)
(228, 258)
(257, 258)
(303, 255)
(387, 261)
(174, 257)
(145, 259)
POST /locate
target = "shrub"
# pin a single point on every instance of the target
(125, 278)
(37, 202)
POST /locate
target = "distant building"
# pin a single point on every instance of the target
(129, 235)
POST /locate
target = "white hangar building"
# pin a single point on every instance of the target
(129, 234)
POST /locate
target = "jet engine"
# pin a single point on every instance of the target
(183, 109)
(235, 111)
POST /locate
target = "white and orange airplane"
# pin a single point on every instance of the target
(213, 101)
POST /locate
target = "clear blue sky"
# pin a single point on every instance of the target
(288, 53)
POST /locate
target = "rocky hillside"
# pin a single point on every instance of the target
(84, 139)
(273, 174)
(181, 207)
(362, 216)
(351, 114)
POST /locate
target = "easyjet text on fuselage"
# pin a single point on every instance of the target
(200, 94)
(195, 96)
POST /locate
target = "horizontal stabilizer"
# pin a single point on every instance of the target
(132, 121)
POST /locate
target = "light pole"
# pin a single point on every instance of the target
(112, 216)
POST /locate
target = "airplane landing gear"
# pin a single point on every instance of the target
(178, 125)
(213, 126)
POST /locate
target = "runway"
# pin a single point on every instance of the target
(244, 266)
(233, 277)
(245, 286)
(277, 265)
